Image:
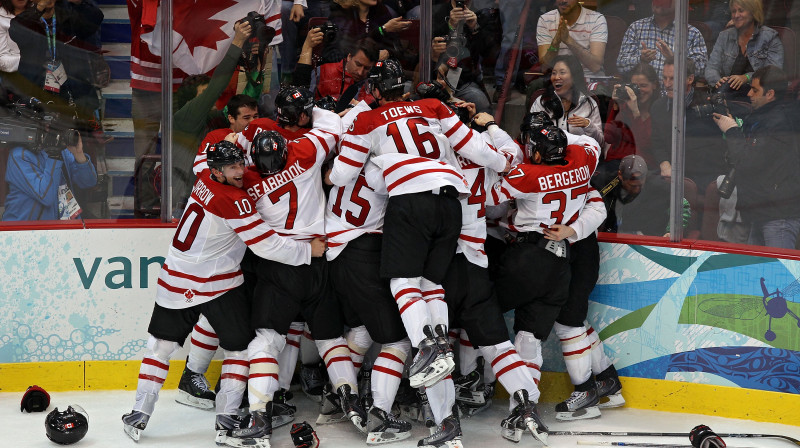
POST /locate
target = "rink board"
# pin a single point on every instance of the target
(687, 325)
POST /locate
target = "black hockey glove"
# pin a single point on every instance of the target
(702, 436)
(304, 436)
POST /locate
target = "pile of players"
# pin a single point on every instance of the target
(397, 252)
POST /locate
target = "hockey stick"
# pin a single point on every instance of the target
(643, 445)
(671, 434)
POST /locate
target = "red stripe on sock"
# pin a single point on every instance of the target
(465, 342)
(211, 348)
(293, 343)
(513, 365)
(333, 348)
(408, 304)
(262, 375)
(235, 362)
(155, 363)
(152, 378)
(574, 337)
(233, 376)
(577, 352)
(403, 292)
(204, 332)
(263, 361)
(338, 359)
(387, 371)
(439, 292)
(500, 357)
(390, 357)
(533, 366)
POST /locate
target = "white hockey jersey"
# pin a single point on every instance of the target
(414, 144)
(218, 224)
(292, 201)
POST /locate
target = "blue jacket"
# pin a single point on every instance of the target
(764, 48)
(33, 180)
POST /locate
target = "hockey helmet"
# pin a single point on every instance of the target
(269, 152)
(387, 76)
(326, 102)
(533, 122)
(35, 399)
(549, 141)
(291, 102)
(67, 427)
(222, 154)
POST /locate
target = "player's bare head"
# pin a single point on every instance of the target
(387, 78)
(294, 106)
(241, 110)
(269, 152)
(547, 145)
(226, 162)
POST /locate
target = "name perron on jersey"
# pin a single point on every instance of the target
(218, 224)
(414, 144)
(550, 194)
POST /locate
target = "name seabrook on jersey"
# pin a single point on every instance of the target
(275, 181)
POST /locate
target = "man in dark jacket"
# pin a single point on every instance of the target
(764, 153)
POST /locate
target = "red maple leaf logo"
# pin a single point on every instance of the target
(189, 294)
(193, 20)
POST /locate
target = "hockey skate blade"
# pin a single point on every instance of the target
(187, 399)
(612, 401)
(580, 414)
(314, 398)
(281, 420)
(358, 423)
(222, 436)
(534, 430)
(513, 435)
(330, 419)
(247, 443)
(133, 433)
(455, 443)
(379, 438)
(471, 397)
(438, 369)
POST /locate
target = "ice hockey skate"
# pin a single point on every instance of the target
(330, 409)
(447, 436)
(472, 401)
(524, 416)
(194, 390)
(429, 367)
(443, 343)
(383, 427)
(282, 411)
(351, 406)
(312, 380)
(255, 435)
(579, 406)
(227, 422)
(609, 393)
(134, 423)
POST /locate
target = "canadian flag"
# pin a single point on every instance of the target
(202, 30)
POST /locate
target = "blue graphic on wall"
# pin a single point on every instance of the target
(704, 317)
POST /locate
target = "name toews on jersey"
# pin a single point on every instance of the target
(219, 223)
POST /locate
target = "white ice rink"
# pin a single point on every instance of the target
(178, 426)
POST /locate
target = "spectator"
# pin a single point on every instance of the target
(704, 149)
(42, 182)
(567, 100)
(744, 48)
(714, 13)
(9, 51)
(359, 19)
(510, 11)
(337, 79)
(294, 14)
(58, 63)
(629, 125)
(573, 29)
(651, 40)
(467, 85)
(764, 152)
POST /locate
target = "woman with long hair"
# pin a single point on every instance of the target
(567, 100)
(9, 51)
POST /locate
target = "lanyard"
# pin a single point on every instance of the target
(51, 37)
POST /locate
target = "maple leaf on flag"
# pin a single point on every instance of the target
(195, 23)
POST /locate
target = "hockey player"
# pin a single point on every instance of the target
(414, 145)
(201, 274)
(286, 184)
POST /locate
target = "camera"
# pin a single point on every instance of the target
(622, 92)
(433, 90)
(455, 41)
(461, 4)
(329, 31)
(727, 185)
(715, 103)
(261, 33)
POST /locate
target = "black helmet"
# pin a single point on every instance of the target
(387, 76)
(327, 103)
(223, 153)
(549, 141)
(433, 90)
(533, 122)
(291, 102)
(269, 152)
(66, 427)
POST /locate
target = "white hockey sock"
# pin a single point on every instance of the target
(153, 373)
(309, 355)
(576, 348)
(600, 361)
(510, 369)
(263, 353)
(434, 298)
(413, 310)
(529, 350)
(337, 360)
(467, 355)
(203, 344)
(442, 397)
(358, 341)
(387, 373)
(232, 382)
(287, 359)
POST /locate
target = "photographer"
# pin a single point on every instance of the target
(764, 153)
(460, 40)
(42, 181)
